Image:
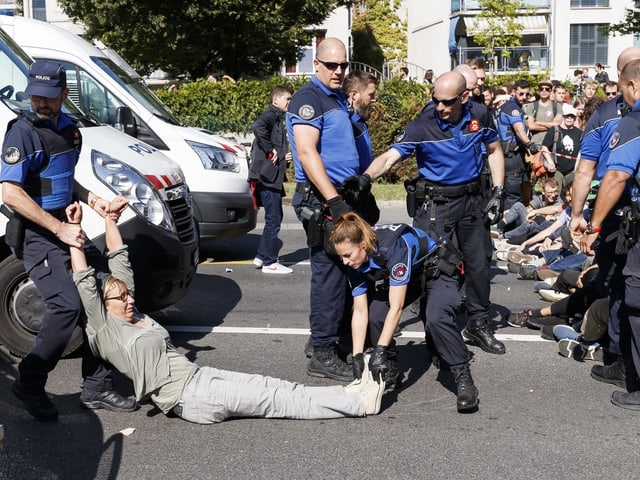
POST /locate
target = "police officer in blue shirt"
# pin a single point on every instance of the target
(40, 152)
(446, 138)
(512, 130)
(324, 155)
(622, 176)
(594, 156)
(390, 265)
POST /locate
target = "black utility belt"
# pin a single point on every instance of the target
(434, 190)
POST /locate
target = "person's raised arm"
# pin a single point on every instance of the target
(112, 232)
(78, 258)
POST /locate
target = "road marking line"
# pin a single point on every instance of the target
(305, 331)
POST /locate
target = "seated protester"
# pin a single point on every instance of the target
(585, 343)
(553, 247)
(584, 293)
(387, 264)
(563, 144)
(541, 216)
(143, 351)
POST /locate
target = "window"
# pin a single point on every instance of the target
(39, 10)
(587, 44)
(589, 3)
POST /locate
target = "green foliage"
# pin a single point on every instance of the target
(503, 30)
(236, 37)
(377, 30)
(630, 24)
(227, 107)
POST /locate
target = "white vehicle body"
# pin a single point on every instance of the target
(158, 226)
(100, 81)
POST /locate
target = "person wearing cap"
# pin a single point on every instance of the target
(41, 149)
(542, 114)
(563, 143)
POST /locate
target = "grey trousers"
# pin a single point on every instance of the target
(215, 395)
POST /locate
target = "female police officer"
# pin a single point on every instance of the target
(388, 262)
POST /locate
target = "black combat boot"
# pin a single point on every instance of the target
(614, 374)
(326, 363)
(467, 391)
(477, 330)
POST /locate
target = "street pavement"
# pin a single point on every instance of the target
(541, 415)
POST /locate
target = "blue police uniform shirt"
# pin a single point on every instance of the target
(624, 153)
(402, 258)
(327, 110)
(511, 114)
(599, 130)
(448, 153)
(363, 141)
(24, 156)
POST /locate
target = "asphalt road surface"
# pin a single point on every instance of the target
(541, 415)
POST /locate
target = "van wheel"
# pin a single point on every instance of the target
(22, 310)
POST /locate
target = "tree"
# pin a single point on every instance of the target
(378, 33)
(502, 30)
(630, 24)
(235, 37)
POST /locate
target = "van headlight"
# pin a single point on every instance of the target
(216, 158)
(126, 181)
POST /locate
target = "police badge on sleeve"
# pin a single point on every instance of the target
(11, 156)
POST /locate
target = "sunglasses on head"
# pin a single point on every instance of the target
(334, 65)
(448, 102)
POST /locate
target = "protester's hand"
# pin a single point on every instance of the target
(337, 207)
(586, 243)
(578, 225)
(74, 213)
(378, 363)
(101, 207)
(495, 206)
(358, 366)
(116, 207)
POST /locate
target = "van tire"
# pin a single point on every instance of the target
(22, 310)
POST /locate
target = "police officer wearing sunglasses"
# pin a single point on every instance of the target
(446, 138)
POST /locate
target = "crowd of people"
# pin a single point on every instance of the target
(571, 227)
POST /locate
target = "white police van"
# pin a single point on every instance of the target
(158, 226)
(100, 82)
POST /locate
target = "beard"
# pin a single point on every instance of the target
(363, 110)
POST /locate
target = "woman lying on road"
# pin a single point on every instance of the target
(142, 350)
(388, 262)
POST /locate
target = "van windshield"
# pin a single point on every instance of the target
(136, 88)
(14, 73)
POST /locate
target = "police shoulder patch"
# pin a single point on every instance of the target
(399, 136)
(306, 112)
(399, 272)
(515, 113)
(615, 138)
(11, 156)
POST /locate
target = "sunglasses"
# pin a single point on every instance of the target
(611, 94)
(545, 89)
(334, 65)
(122, 297)
(446, 103)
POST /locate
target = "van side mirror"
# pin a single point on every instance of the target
(125, 121)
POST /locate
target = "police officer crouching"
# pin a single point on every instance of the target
(390, 267)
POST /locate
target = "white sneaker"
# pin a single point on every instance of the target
(551, 295)
(258, 262)
(371, 394)
(276, 268)
(360, 383)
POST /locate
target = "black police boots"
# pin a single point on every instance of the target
(477, 330)
(467, 391)
(36, 402)
(326, 363)
(109, 400)
(614, 374)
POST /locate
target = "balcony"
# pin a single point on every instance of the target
(470, 5)
(523, 58)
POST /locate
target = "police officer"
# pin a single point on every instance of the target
(622, 166)
(515, 142)
(41, 149)
(594, 155)
(324, 155)
(387, 273)
(446, 137)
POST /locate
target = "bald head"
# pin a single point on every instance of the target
(469, 75)
(628, 54)
(331, 47)
(451, 82)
